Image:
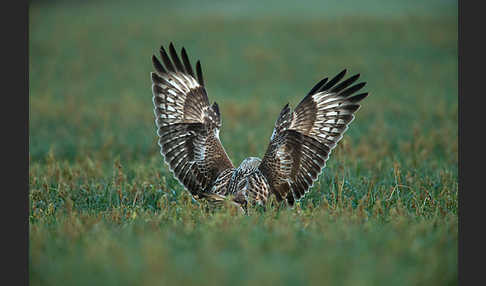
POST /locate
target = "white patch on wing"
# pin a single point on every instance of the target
(173, 92)
(323, 97)
(175, 85)
(322, 107)
(170, 99)
(190, 81)
(181, 81)
(332, 113)
(169, 116)
(273, 134)
(334, 121)
(170, 108)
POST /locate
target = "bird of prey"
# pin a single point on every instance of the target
(302, 140)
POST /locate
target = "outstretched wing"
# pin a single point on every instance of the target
(303, 139)
(187, 126)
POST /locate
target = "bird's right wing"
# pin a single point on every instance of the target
(187, 126)
(303, 139)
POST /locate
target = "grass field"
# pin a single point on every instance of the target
(104, 209)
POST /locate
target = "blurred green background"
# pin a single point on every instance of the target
(104, 210)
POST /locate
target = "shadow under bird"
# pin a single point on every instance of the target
(302, 140)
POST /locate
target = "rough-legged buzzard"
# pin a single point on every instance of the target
(302, 140)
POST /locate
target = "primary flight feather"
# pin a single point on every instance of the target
(302, 140)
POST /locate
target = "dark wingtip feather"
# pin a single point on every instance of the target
(175, 58)
(317, 86)
(333, 81)
(157, 65)
(200, 78)
(358, 97)
(345, 83)
(186, 61)
(351, 107)
(166, 59)
(352, 89)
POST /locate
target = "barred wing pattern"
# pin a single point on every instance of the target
(187, 126)
(303, 139)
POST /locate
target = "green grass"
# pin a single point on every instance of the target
(104, 209)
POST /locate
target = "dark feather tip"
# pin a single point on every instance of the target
(200, 78)
(186, 61)
(333, 81)
(317, 86)
(157, 65)
(358, 97)
(175, 58)
(166, 59)
(345, 83)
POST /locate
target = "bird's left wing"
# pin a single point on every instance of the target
(187, 126)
